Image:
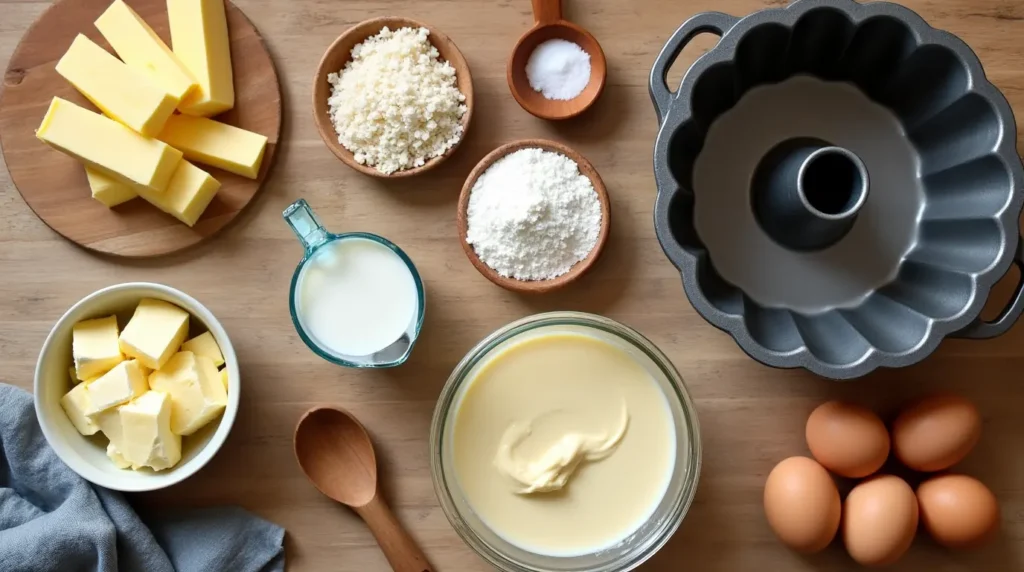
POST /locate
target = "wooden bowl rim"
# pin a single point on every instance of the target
(540, 113)
(364, 30)
(534, 286)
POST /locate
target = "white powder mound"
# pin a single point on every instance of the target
(559, 69)
(532, 215)
(395, 106)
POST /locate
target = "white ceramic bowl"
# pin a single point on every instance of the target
(87, 455)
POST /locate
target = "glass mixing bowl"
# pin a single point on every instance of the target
(638, 546)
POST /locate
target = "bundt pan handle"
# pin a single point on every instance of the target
(707, 22)
(983, 330)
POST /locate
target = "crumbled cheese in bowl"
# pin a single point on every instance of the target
(396, 105)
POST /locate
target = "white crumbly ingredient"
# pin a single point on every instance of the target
(532, 215)
(395, 105)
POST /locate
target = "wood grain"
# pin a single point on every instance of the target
(578, 269)
(751, 416)
(54, 185)
(340, 53)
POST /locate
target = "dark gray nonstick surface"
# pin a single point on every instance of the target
(911, 108)
(868, 257)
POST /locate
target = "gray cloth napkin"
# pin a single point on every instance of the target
(53, 519)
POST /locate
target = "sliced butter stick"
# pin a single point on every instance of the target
(216, 144)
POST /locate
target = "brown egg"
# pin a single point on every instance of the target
(958, 511)
(936, 433)
(879, 520)
(802, 504)
(847, 439)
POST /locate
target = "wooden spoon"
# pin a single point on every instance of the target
(549, 26)
(337, 455)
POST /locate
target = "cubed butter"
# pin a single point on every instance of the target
(204, 345)
(187, 195)
(224, 378)
(154, 333)
(142, 49)
(216, 144)
(147, 440)
(94, 347)
(119, 91)
(74, 376)
(197, 394)
(107, 146)
(78, 407)
(114, 454)
(118, 386)
(199, 37)
(108, 190)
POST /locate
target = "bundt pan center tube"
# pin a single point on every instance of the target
(838, 185)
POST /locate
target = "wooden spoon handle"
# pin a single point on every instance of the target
(547, 11)
(399, 548)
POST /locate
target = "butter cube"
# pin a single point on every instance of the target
(199, 37)
(142, 49)
(119, 385)
(154, 333)
(78, 407)
(188, 194)
(147, 440)
(224, 378)
(107, 190)
(107, 146)
(197, 394)
(204, 345)
(119, 91)
(74, 376)
(114, 454)
(94, 347)
(216, 144)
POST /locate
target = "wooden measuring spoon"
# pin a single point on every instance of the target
(337, 455)
(549, 26)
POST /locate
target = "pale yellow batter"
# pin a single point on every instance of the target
(563, 444)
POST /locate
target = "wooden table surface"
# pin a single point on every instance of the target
(751, 416)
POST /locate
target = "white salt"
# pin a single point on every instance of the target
(559, 69)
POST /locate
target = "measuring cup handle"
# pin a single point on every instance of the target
(547, 11)
(983, 330)
(714, 22)
(305, 224)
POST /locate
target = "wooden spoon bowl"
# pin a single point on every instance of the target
(534, 286)
(340, 53)
(550, 26)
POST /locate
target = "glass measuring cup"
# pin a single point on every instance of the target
(313, 236)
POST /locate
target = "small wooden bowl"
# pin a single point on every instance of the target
(534, 286)
(340, 53)
(550, 26)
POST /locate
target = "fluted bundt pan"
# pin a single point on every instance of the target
(838, 184)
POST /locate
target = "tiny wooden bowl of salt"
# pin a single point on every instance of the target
(340, 53)
(579, 268)
(547, 70)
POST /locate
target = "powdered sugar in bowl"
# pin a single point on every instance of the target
(533, 216)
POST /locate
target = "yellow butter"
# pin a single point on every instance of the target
(147, 440)
(120, 92)
(107, 190)
(197, 394)
(117, 387)
(204, 345)
(187, 195)
(94, 347)
(141, 48)
(107, 146)
(154, 333)
(78, 407)
(224, 378)
(199, 37)
(216, 144)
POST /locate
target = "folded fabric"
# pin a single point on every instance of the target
(53, 519)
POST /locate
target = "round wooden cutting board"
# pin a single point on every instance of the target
(54, 185)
